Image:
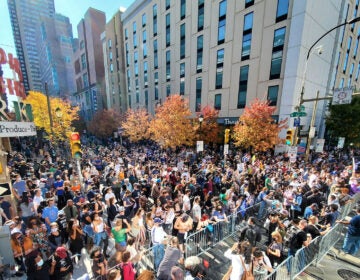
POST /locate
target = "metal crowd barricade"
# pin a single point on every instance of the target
(304, 257)
(281, 272)
(201, 241)
(147, 260)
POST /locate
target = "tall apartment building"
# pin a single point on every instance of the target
(55, 49)
(24, 17)
(89, 64)
(112, 39)
(226, 53)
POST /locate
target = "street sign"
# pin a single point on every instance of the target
(342, 96)
(292, 152)
(302, 108)
(297, 122)
(5, 189)
(298, 114)
(199, 146)
(312, 132)
(226, 149)
(341, 142)
(319, 145)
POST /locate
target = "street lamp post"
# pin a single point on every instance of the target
(302, 100)
(201, 119)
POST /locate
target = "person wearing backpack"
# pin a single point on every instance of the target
(250, 233)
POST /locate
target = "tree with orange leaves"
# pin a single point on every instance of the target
(172, 126)
(208, 130)
(256, 128)
(105, 123)
(136, 125)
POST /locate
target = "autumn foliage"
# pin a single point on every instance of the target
(136, 125)
(105, 123)
(172, 126)
(209, 131)
(61, 122)
(256, 128)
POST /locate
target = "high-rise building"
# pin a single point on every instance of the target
(24, 16)
(55, 48)
(89, 64)
(114, 64)
(226, 53)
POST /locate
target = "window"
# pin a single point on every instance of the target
(249, 3)
(219, 69)
(128, 75)
(217, 103)
(143, 20)
(145, 73)
(82, 45)
(276, 59)
(345, 62)
(135, 40)
(126, 34)
(156, 63)
(129, 98)
(201, 15)
(137, 97)
(222, 22)
(343, 29)
(357, 44)
(354, 14)
(168, 29)
(199, 58)
(182, 41)
(357, 73)
(134, 27)
(198, 94)
(282, 10)
(182, 9)
(156, 92)
(83, 61)
(273, 95)
(136, 83)
(341, 84)
(110, 56)
(349, 44)
(167, 4)
(111, 67)
(168, 65)
(136, 69)
(155, 11)
(182, 86)
(168, 90)
(182, 70)
(155, 20)
(156, 78)
(146, 98)
(85, 80)
(243, 81)
(144, 35)
(144, 50)
(109, 43)
(136, 57)
(247, 35)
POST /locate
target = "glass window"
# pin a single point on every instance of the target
(182, 69)
(356, 47)
(199, 58)
(136, 69)
(168, 56)
(155, 46)
(129, 97)
(357, 72)
(282, 10)
(349, 43)
(219, 78)
(221, 31)
(182, 30)
(273, 95)
(183, 9)
(156, 93)
(83, 61)
(276, 61)
(167, 4)
(111, 67)
(85, 80)
(217, 103)
(341, 84)
(243, 81)
(279, 37)
(146, 98)
(248, 21)
(144, 50)
(126, 33)
(345, 62)
(167, 20)
(109, 43)
(246, 46)
(198, 94)
(249, 3)
(201, 17)
(168, 69)
(156, 77)
(182, 86)
(135, 40)
(137, 97)
(136, 57)
(143, 19)
(145, 66)
(351, 70)
(155, 11)
(155, 26)
(134, 27)
(200, 40)
(168, 90)
(222, 8)
(156, 60)
(220, 57)
(182, 41)
(144, 35)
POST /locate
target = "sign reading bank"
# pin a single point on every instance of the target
(20, 122)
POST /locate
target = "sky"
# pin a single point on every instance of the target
(74, 9)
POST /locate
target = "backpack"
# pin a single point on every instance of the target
(250, 235)
(290, 236)
(127, 271)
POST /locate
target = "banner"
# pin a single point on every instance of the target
(17, 129)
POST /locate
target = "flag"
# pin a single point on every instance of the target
(246, 157)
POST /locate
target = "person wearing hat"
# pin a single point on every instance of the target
(60, 191)
(61, 265)
(158, 236)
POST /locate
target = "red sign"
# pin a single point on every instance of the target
(14, 86)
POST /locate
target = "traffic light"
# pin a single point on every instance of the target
(290, 136)
(75, 145)
(227, 136)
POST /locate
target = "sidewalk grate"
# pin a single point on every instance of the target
(347, 274)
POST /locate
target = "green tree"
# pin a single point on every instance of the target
(344, 121)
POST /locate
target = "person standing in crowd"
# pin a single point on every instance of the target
(239, 253)
(61, 265)
(55, 238)
(75, 238)
(158, 237)
(50, 213)
(101, 237)
(274, 250)
(37, 267)
(18, 187)
(352, 239)
(70, 210)
(119, 233)
(99, 263)
(60, 192)
(27, 207)
(196, 211)
(172, 256)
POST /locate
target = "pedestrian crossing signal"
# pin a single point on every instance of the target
(75, 145)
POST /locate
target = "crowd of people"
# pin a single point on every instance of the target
(143, 196)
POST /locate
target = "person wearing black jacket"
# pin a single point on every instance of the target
(112, 210)
(37, 268)
(61, 265)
